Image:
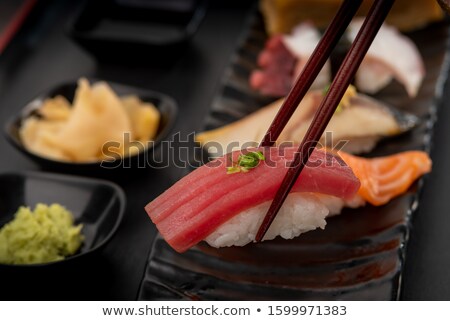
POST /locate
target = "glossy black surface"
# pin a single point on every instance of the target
(42, 56)
(166, 106)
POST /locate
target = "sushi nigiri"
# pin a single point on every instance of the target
(392, 55)
(276, 66)
(383, 178)
(284, 57)
(226, 209)
(371, 121)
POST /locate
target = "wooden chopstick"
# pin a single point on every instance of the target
(312, 68)
(345, 75)
(16, 22)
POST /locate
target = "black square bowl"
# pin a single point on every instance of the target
(97, 204)
(166, 106)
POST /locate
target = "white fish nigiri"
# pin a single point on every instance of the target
(392, 55)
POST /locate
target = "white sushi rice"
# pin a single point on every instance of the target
(336, 204)
(300, 213)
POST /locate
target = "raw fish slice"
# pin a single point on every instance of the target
(282, 60)
(212, 178)
(277, 66)
(384, 178)
(397, 53)
(372, 76)
(302, 42)
(251, 129)
(192, 219)
(371, 120)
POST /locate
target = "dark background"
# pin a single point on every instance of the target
(42, 56)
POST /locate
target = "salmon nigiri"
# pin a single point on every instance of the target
(384, 178)
(224, 202)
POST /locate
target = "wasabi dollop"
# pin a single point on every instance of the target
(44, 235)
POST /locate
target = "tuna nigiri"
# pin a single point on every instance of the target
(226, 209)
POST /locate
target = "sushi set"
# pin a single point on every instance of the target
(358, 255)
(149, 231)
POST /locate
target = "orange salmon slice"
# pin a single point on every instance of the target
(384, 178)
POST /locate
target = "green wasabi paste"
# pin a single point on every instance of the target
(44, 235)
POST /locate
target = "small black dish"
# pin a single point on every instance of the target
(122, 29)
(165, 104)
(97, 204)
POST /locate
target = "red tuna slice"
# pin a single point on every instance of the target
(210, 178)
(271, 82)
(277, 65)
(193, 208)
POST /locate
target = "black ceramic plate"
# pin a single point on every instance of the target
(359, 255)
(98, 205)
(165, 104)
(114, 29)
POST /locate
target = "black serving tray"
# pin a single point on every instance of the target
(359, 255)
